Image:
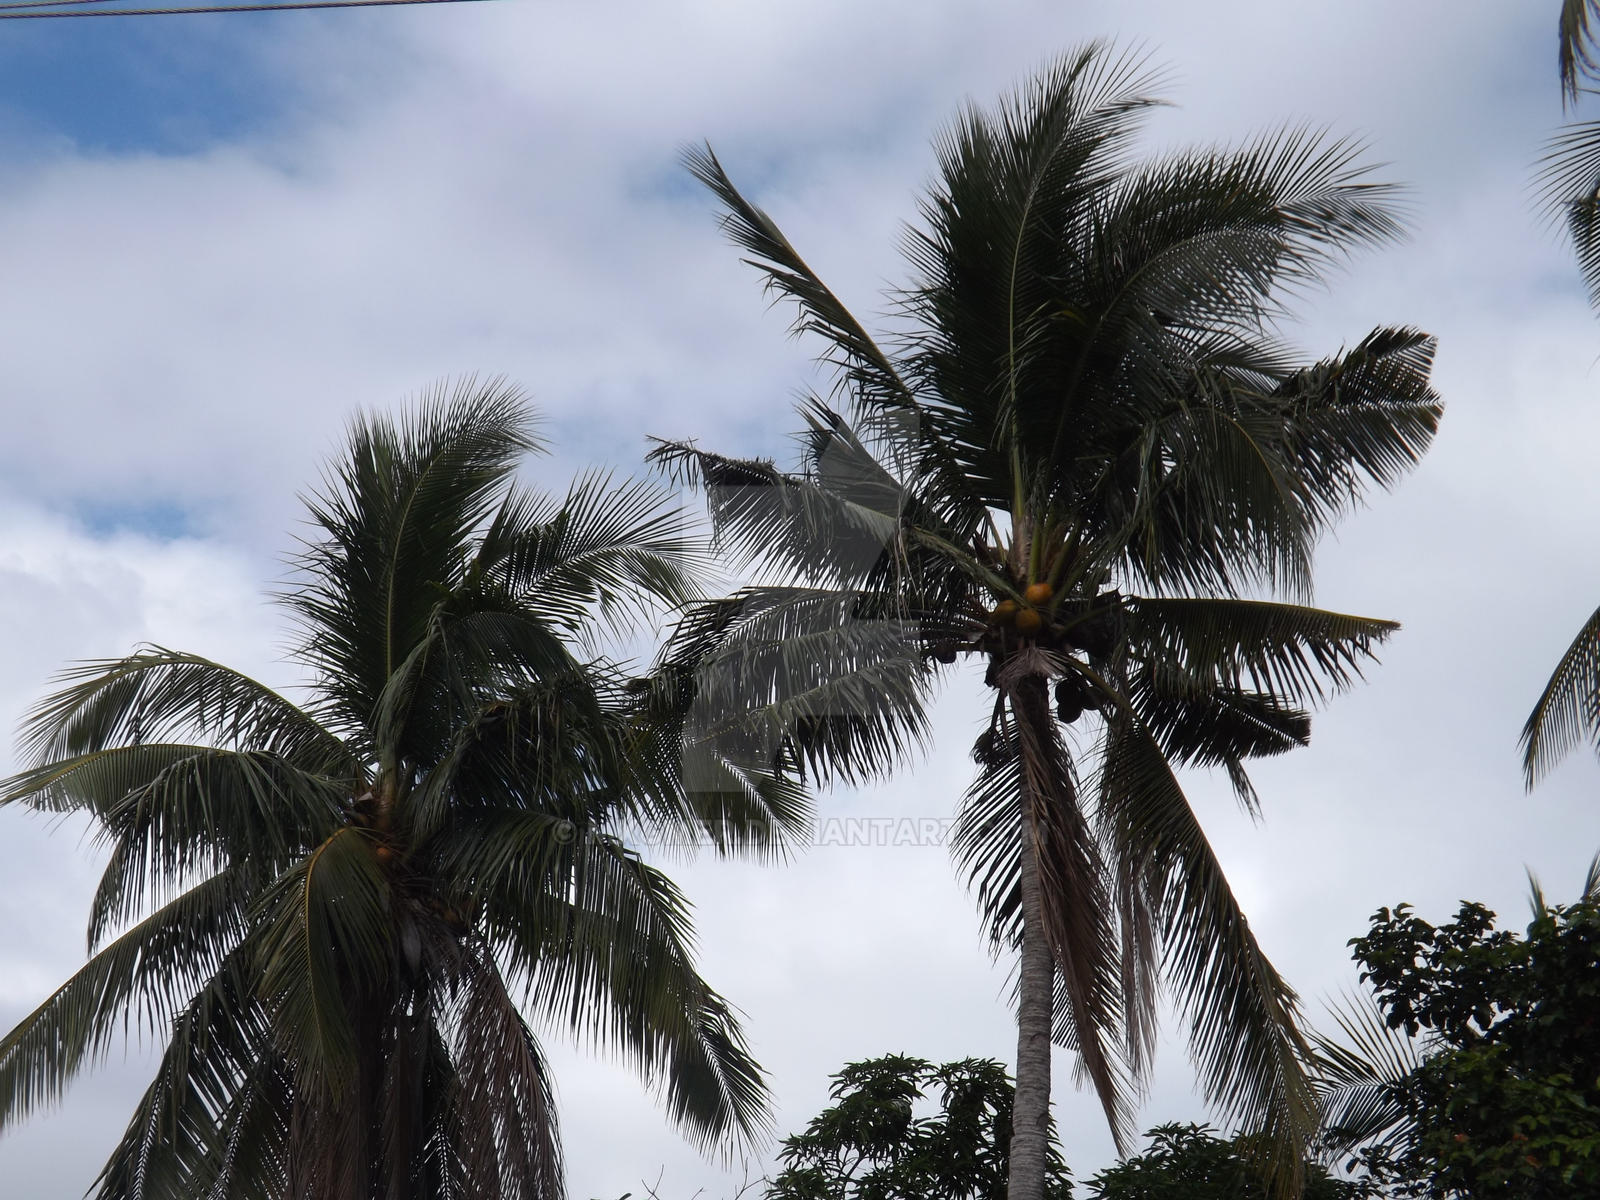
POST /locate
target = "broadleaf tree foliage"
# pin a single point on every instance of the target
(333, 912)
(873, 1143)
(1082, 456)
(1474, 1068)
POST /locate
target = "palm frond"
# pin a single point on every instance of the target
(825, 531)
(326, 939)
(852, 350)
(157, 695)
(1568, 710)
(1359, 1077)
(144, 978)
(218, 1101)
(1577, 56)
(1072, 879)
(600, 942)
(1242, 1016)
(511, 1148)
(395, 522)
(804, 678)
(1294, 653)
(612, 550)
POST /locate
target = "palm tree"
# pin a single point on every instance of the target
(1567, 712)
(331, 908)
(1085, 461)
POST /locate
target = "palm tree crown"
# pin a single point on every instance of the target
(1085, 458)
(326, 908)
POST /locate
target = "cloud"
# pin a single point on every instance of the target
(495, 188)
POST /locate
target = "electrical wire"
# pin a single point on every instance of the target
(58, 9)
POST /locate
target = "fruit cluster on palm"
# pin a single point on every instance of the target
(334, 913)
(1085, 460)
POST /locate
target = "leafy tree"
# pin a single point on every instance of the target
(326, 908)
(1188, 1162)
(1082, 450)
(1494, 1090)
(870, 1145)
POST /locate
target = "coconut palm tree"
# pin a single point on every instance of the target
(1567, 712)
(1570, 177)
(1085, 461)
(330, 909)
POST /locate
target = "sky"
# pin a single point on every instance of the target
(224, 236)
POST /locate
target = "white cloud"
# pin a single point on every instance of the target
(494, 188)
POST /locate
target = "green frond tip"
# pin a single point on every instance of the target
(1567, 712)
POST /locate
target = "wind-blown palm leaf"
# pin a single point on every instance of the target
(217, 1060)
(1242, 1016)
(1579, 19)
(797, 676)
(505, 1094)
(294, 900)
(1568, 710)
(1568, 182)
(830, 531)
(1075, 905)
(158, 694)
(612, 550)
(852, 349)
(545, 885)
(1297, 654)
(147, 975)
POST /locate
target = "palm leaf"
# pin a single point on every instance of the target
(1242, 1016)
(144, 977)
(1294, 653)
(1568, 710)
(1359, 1078)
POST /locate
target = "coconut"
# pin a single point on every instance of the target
(1038, 594)
(1004, 613)
(1029, 621)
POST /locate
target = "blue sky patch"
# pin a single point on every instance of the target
(140, 84)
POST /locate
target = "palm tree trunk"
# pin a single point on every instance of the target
(1030, 1115)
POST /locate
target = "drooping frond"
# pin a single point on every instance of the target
(987, 845)
(1568, 710)
(1569, 178)
(1242, 1016)
(326, 939)
(1578, 40)
(803, 678)
(507, 1107)
(832, 530)
(213, 1121)
(144, 978)
(600, 942)
(1075, 903)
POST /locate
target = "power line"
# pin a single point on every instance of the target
(54, 9)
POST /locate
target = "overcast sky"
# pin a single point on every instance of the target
(221, 236)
